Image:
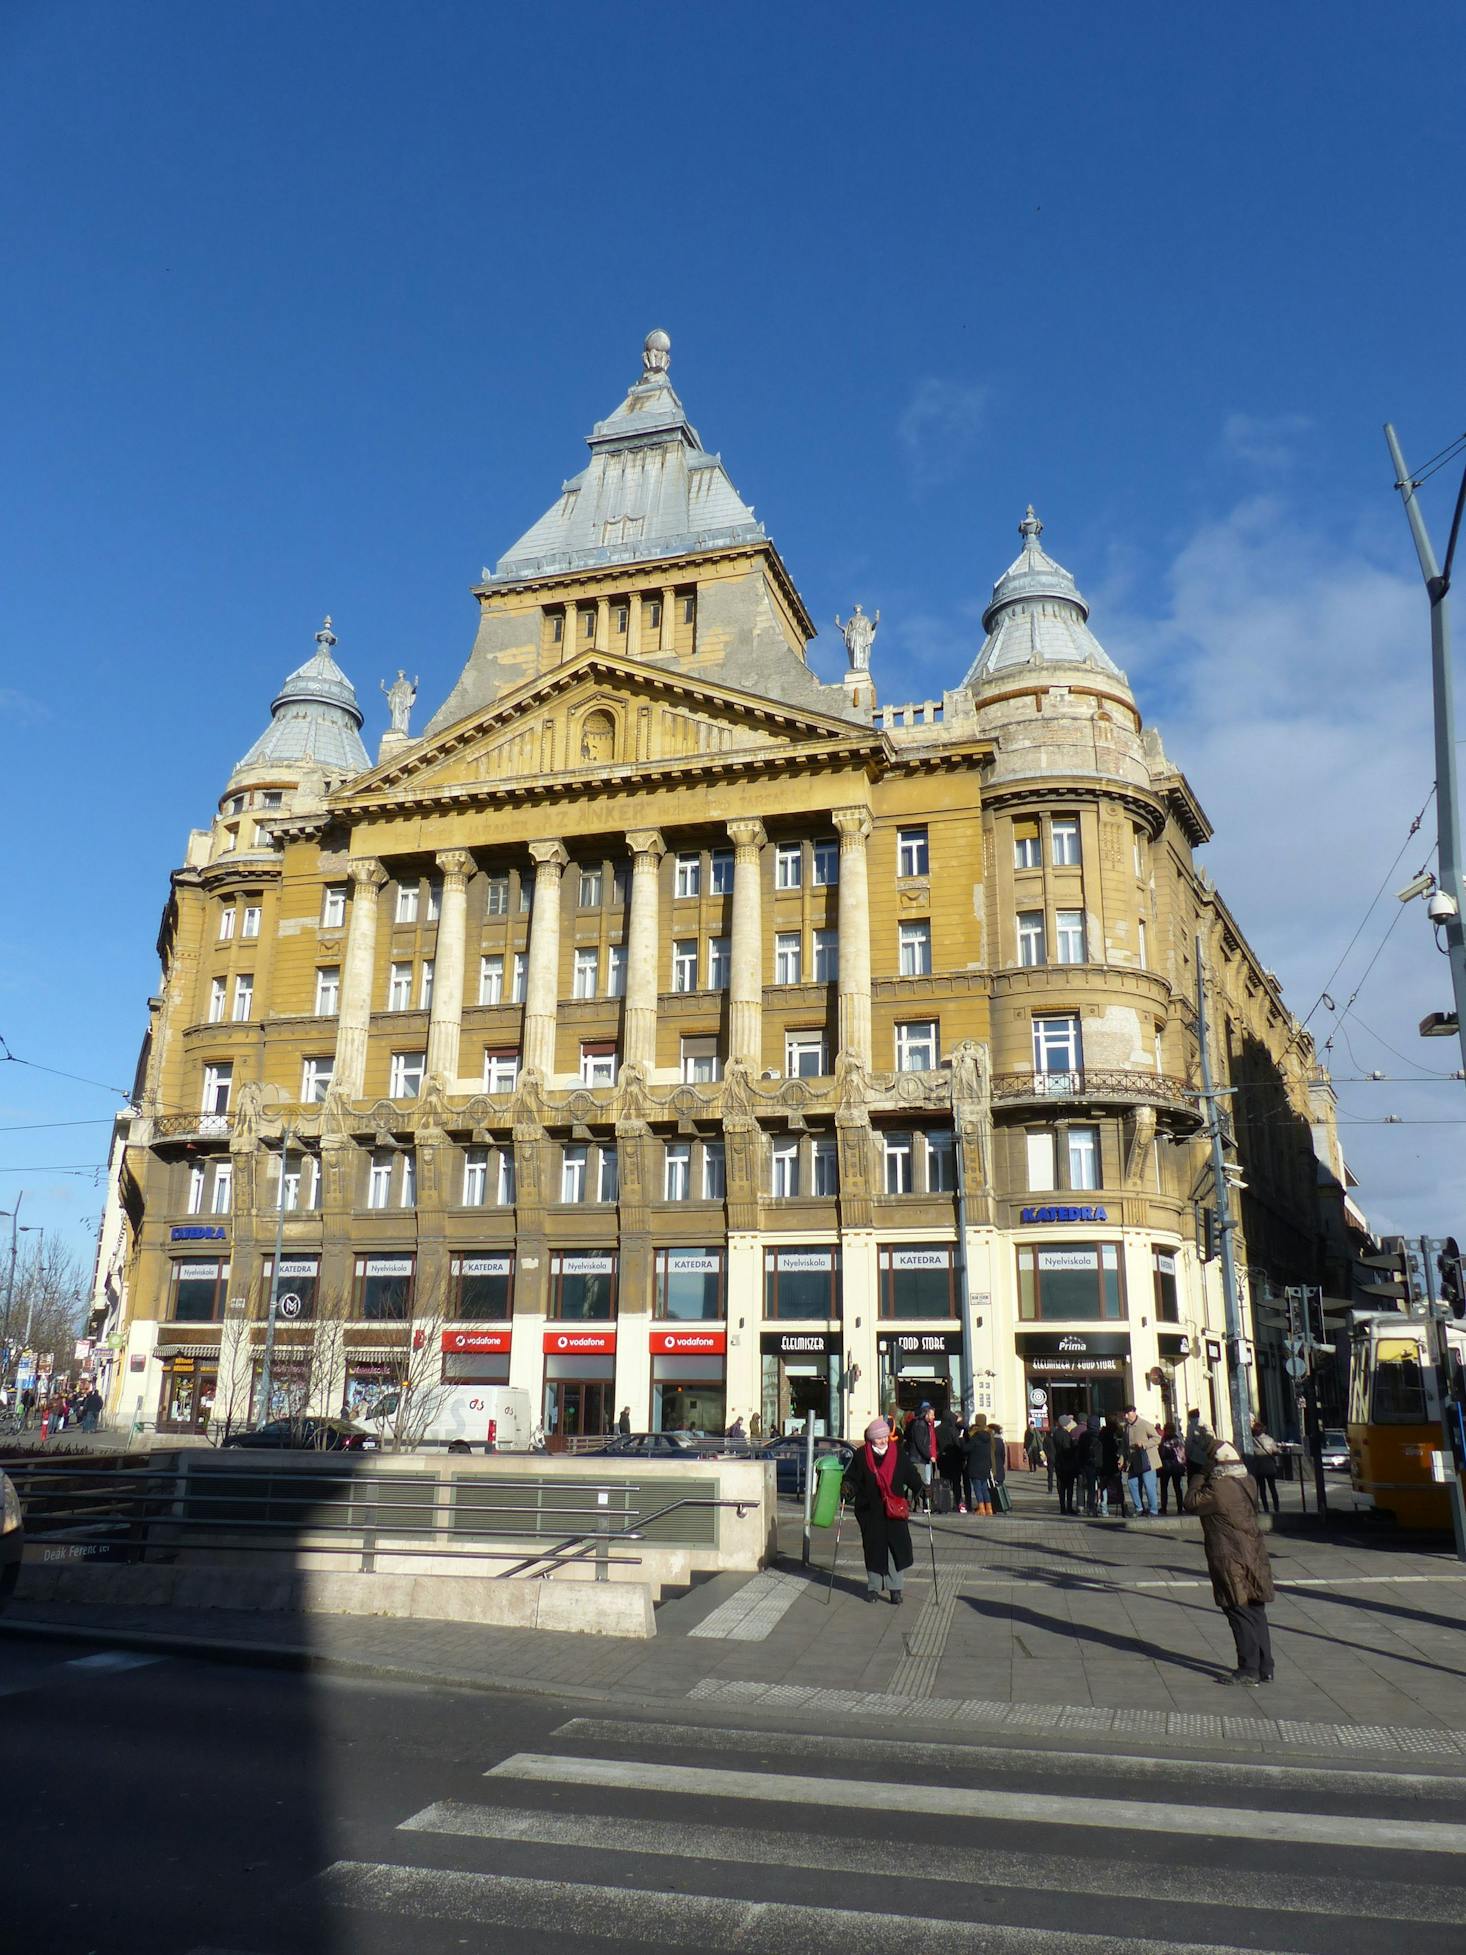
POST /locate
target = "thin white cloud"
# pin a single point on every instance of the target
(1266, 441)
(938, 429)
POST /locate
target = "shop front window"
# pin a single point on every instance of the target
(1070, 1282)
(583, 1288)
(690, 1285)
(1167, 1299)
(483, 1287)
(383, 1287)
(198, 1292)
(918, 1280)
(801, 1283)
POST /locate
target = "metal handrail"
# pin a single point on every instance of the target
(1093, 1082)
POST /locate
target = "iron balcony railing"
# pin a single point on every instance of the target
(1098, 1083)
(183, 1126)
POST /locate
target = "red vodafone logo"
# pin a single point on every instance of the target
(559, 1343)
(689, 1343)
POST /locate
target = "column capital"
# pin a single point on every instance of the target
(644, 843)
(366, 872)
(852, 825)
(548, 855)
(455, 862)
(749, 833)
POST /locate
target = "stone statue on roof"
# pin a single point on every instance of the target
(859, 632)
(400, 696)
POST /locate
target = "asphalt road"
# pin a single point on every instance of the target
(186, 1808)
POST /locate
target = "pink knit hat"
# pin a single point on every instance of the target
(877, 1430)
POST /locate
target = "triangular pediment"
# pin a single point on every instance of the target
(604, 718)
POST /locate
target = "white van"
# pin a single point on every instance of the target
(485, 1417)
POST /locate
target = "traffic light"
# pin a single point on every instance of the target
(1451, 1271)
(1208, 1240)
(1393, 1262)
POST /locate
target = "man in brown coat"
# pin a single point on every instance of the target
(1236, 1559)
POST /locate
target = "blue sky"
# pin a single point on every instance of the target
(308, 308)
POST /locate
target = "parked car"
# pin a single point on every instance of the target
(788, 1457)
(657, 1445)
(1336, 1449)
(12, 1538)
(305, 1435)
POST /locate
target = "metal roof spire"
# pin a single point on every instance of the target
(1037, 616)
(314, 718)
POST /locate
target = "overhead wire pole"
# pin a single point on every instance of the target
(1211, 1105)
(1448, 820)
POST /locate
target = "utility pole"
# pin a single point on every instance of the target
(1211, 1103)
(269, 1362)
(10, 1279)
(1448, 820)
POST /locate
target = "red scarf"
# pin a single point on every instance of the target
(883, 1468)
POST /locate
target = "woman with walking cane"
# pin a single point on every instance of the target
(880, 1484)
(1236, 1559)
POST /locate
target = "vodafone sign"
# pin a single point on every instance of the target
(689, 1343)
(476, 1340)
(572, 1343)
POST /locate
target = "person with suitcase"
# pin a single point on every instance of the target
(1001, 1500)
(978, 1448)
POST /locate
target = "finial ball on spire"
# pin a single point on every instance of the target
(656, 353)
(325, 636)
(1030, 529)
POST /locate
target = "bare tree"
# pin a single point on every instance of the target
(415, 1390)
(49, 1301)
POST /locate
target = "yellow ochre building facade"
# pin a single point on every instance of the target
(663, 1028)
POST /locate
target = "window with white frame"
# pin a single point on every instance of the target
(1056, 1044)
(916, 949)
(504, 1189)
(1083, 1145)
(720, 872)
(784, 1177)
(405, 1075)
(589, 896)
(491, 980)
(572, 1172)
(701, 1061)
(616, 971)
(916, 1046)
(676, 1171)
(620, 883)
(496, 895)
(379, 1180)
(586, 973)
(687, 880)
(1142, 956)
(425, 985)
(805, 1055)
(598, 1062)
(501, 1068)
(407, 895)
(519, 977)
(899, 1155)
(475, 1177)
(218, 992)
(302, 1182)
(407, 1197)
(526, 891)
(328, 990)
(940, 1149)
(1030, 937)
(913, 858)
(826, 956)
(1027, 845)
(333, 906)
(223, 1186)
(399, 988)
(720, 962)
(824, 1162)
(826, 862)
(435, 901)
(684, 964)
(218, 1083)
(195, 1190)
(1069, 936)
(315, 1078)
(788, 957)
(714, 1172)
(250, 926)
(1064, 841)
(1043, 1170)
(1137, 850)
(228, 916)
(789, 865)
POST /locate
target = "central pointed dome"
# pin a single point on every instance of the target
(1037, 617)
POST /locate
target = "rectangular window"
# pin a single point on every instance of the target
(491, 980)
(826, 956)
(223, 1184)
(616, 971)
(195, 1191)
(598, 1062)
(676, 1171)
(383, 1288)
(805, 1055)
(519, 977)
(897, 1150)
(720, 872)
(218, 1083)
(407, 895)
(720, 962)
(684, 964)
(399, 988)
(688, 878)
(587, 973)
(298, 1193)
(826, 864)
(315, 1078)
(227, 918)
(1030, 937)
(425, 985)
(1142, 956)
(784, 1175)
(690, 1285)
(689, 610)
(619, 618)
(1167, 1296)
(217, 993)
(435, 901)
(802, 1283)
(1027, 851)
(483, 1287)
(501, 1068)
(913, 858)
(652, 612)
(504, 1191)
(1083, 1145)
(333, 906)
(941, 1163)
(789, 865)
(496, 895)
(590, 890)
(714, 1172)
(918, 1280)
(1064, 841)
(620, 883)
(824, 1168)
(198, 1292)
(572, 1173)
(701, 1061)
(379, 1180)
(608, 1173)
(1056, 1049)
(1137, 848)
(328, 990)
(408, 1197)
(557, 627)
(251, 925)
(405, 1075)
(916, 949)
(788, 957)
(1042, 1160)
(1069, 1281)
(1069, 934)
(916, 1046)
(583, 1288)
(475, 1177)
(526, 892)
(587, 624)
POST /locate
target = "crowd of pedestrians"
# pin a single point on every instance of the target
(958, 1470)
(56, 1411)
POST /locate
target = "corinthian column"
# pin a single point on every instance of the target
(639, 1022)
(349, 1072)
(853, 827)
(746, 976)
(542, 979)
(445, 1021)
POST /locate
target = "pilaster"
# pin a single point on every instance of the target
(358, 971)
(639, 1017)
(542, 977)
(445, 1022)
(745, 988)
(853, 827)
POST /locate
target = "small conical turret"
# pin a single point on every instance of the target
(315, 720)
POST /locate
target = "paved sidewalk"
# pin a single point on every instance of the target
(1035, 1622)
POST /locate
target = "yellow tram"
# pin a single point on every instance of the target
(1395, 1416)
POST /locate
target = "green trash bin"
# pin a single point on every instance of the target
(829, 1473)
